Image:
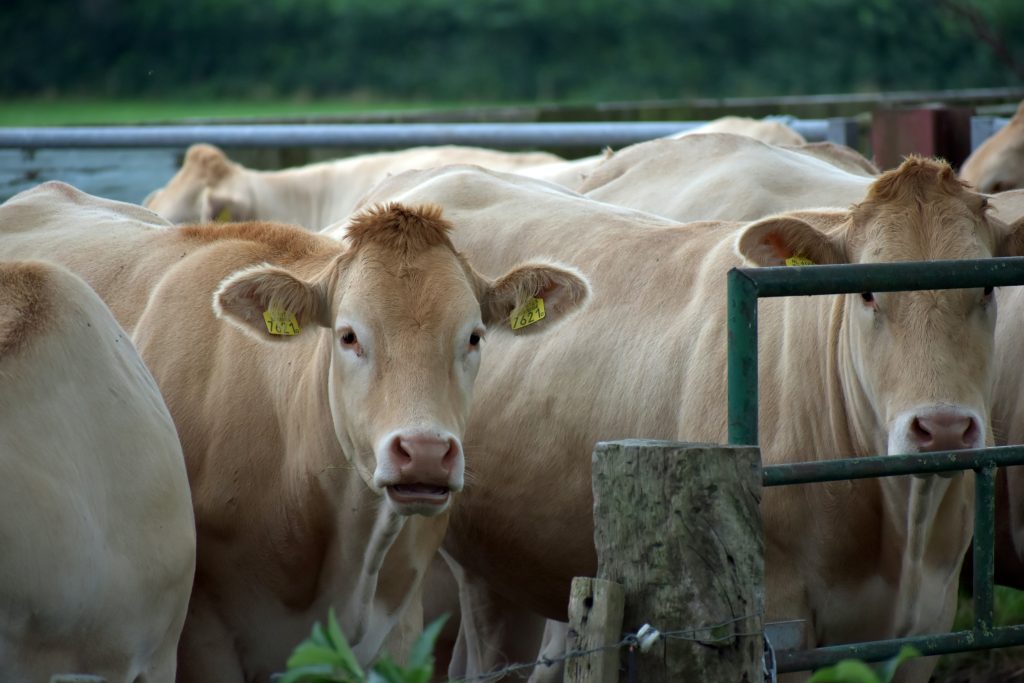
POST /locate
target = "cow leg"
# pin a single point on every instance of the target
(552, 647)
(440, 597)
(206, 650)
(495, 632)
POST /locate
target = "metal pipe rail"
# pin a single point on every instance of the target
(984, 127)
(398, 135)
(745, 287)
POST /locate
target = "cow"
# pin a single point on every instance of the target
(840, 376)
(576, 173)
(772, 132)
(997, 164)
(720, 176)
(209, 186)
(99, 543)
(321, 390)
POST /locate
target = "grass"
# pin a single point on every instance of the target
(85, 111)
(986, 666)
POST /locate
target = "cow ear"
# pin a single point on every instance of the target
(270, 303)
(788, 240)
(533, 296)
(221, 207)
(1012, 242)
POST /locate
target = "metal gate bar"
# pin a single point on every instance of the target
(369, 135)
(745, 287)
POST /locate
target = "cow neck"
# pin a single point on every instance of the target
(926, 521)
(293, 195)
(929, 521)
(370, 584)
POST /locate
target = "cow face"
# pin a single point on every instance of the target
(915, 367)
(207, 187)
(405, 317)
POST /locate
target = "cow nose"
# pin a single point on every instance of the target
(425, 458)
(945, 431)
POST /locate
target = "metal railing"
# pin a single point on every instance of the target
(745, 287)
(984, 127)
(395, 135)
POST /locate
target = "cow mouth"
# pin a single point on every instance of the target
(419, 493)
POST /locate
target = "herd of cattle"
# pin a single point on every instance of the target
(216, 424)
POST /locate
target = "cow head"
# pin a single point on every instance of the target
(915, 367)
(405, 317)
(207, 187)
(998, 164)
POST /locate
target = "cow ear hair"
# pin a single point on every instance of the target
(221, 207)
(783, 240)
(270, 303)
(561, 289)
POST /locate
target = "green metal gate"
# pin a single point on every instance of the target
(745, 287)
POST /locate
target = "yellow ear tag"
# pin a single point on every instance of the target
(799, 261)
(280, 321)
(529, 313)
(224, 216)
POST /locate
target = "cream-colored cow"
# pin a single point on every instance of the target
(998, 163)
(850, 375)
(209, 186)
(769, 131)
(99, 542)
(575, 174)
(721, 177)
(321, 391)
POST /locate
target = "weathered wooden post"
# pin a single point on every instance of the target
(678, 526)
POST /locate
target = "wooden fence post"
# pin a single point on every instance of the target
(678, 526)
(595, 621)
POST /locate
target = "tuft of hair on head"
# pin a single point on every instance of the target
(209, 161)
(915, 175)
(400, 228)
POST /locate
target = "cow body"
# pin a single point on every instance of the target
(95, 516)
(209, 186)
(855, 559)
(320, 391)
(720, 177)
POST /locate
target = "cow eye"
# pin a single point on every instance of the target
(349, 338)
(474, 340)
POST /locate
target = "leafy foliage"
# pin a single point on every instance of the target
(856, 671)
(325, 657)
(499, 49)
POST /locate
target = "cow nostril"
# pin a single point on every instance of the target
(971, 434)
(450, 456)
(919, 432)
(398, 452)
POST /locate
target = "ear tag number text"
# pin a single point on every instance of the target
(280, 321)
(529, 313)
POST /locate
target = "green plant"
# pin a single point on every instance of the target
(856, 671)
(325, 657)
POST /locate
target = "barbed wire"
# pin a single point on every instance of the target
(631, 640)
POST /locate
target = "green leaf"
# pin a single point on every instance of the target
(322, 673)
(846, 671)
(386, 671)
(423, 649)
(308, 653)
(888, 670)
(341, 645)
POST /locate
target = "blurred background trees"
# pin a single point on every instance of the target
(504, 50)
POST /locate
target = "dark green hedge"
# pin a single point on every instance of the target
(483, 50)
